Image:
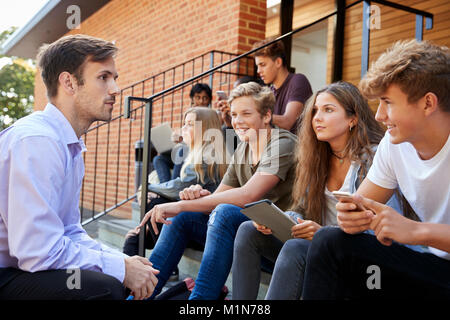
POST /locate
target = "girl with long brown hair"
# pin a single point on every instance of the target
(337, 139)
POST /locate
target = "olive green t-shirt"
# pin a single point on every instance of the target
(276, 159)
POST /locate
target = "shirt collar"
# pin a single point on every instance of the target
(67, 132)
(275, 90)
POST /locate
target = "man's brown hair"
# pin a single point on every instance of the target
(273, 51)
(417, 67)
(69, 54)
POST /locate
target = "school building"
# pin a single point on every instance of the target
(164, 43)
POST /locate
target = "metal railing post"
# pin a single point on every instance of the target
(138, 152)
(145, 161)
(145, 170)
(419, 27)
(365, 38)
(211, 65)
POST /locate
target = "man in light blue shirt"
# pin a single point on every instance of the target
(43, 247)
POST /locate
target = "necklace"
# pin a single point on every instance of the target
(341, 159)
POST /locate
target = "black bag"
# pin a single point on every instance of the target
(180, 291)
(183, 289)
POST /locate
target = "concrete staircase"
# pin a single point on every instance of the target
(111, 231)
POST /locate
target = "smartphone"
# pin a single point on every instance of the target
(347, 197)
(222, 95)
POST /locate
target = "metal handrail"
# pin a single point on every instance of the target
(177, 66)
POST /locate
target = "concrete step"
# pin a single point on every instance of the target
(113, 231)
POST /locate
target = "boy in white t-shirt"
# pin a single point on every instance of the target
(412, 81)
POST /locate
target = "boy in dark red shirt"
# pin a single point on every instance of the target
(291, 90)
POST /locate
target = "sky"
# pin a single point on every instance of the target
(18, 12)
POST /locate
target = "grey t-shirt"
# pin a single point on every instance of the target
(276, 159)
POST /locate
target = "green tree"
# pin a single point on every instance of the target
(16, 87)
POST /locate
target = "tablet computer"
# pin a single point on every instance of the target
(264, 212)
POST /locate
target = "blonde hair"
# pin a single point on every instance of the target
(417, 67)
(312, 156)
(262, 95)
(200, 150)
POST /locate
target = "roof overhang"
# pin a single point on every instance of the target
(48, 25)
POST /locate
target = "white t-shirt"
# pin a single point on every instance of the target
(424, 183)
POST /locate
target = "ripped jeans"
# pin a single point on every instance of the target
(216, 231)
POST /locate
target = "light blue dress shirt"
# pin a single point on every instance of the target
(41, 171)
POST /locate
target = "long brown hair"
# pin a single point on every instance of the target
(313, 156)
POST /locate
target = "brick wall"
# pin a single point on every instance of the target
(153, 36)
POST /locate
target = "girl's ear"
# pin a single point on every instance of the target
(354, 122)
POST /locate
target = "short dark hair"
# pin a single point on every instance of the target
(199, 87)
(273, 51)
(69, 54)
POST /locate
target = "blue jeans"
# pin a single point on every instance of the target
(173, 239)
(223, 224)
(162, 163)
(217, 232)
(289, 271)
